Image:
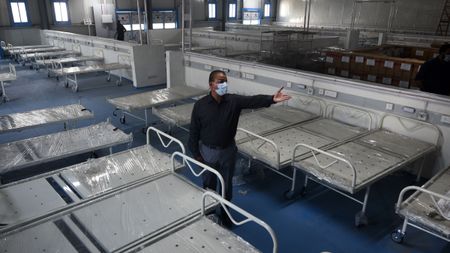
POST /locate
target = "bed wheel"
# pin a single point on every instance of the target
(361, 219)
(118, 82)
(48, 75)
(5, 99)
(31, 67)
(108, 78)
(397, 236)
(288, 194)
(75, 88)
(57, 78)
(122, 119)
(66, 84)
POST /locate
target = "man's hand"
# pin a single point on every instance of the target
(280, 97)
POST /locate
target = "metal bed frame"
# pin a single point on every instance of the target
(81, 182)
(27, 55)
(57, 64)
(13, 50)
(17, 155)
(175, 116)
(104, 224)
(358, 163)
(427, 209)
(275, 148)
(123, 62)
(147, 100)
(6, 77)
(43, 59)
(274, 118)
(206, 236)
(24, 120)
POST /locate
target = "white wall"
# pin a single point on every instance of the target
(411, 15)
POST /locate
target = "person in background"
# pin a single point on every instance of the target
(213, 127)
(434, 75)
(120, 31)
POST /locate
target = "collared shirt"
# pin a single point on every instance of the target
(435, 76)
(215, 124)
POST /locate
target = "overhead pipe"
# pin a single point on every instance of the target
(190, 25)
(146, 22)
(309, 14)
(182, 26)
(139, 17)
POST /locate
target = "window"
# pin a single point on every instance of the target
(232, 10)
(61, 13)
(211, 10)
(19, 12)
(164, 19)
(266, 10)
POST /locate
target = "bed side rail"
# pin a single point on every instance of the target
(226, 205)
(307, 103)
(254, 136)
(336, 158)
(431, 194)
(191, 161)
(412, 128)
(350, 115)
(165, 139)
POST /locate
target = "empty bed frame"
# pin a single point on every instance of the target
(355, 165)
(43, 59)
(76, 184)
(17, 155)
(128, 105)
(71, 73)
(55, 66)
(24, 120)
(155, 211)
(7, 77)
(275, 148)
(427, 209)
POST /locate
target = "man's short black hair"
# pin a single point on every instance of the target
(444, 48)
(213, 73)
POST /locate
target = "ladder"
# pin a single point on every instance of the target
(443, 25)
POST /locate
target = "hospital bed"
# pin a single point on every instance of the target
(23, 120)
(76, 184)
(41, 59)
(275, 148)
(175, 116)
(15, 156)
(298, 109)
(11, 50)
(355, 165)
(153, 211)
(57, 65)
(27, 55)
(147, 100)
(196, 234)
(6, 77)
(123, 62)
(427, 209)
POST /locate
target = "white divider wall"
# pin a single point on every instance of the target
(147, 61)
(251, 78)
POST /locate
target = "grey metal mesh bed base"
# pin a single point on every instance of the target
(355, 165)
(23, 120)
(427, 209)
(147, 100)
(127, 219)
(41, 149)
(83, 181)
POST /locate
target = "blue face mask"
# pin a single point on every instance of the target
(222, 89)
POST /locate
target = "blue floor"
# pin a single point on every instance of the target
(320, 221)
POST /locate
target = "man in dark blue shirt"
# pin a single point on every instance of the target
(213, 127)
(434, 75)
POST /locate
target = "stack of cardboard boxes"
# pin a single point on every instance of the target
(389, 65)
